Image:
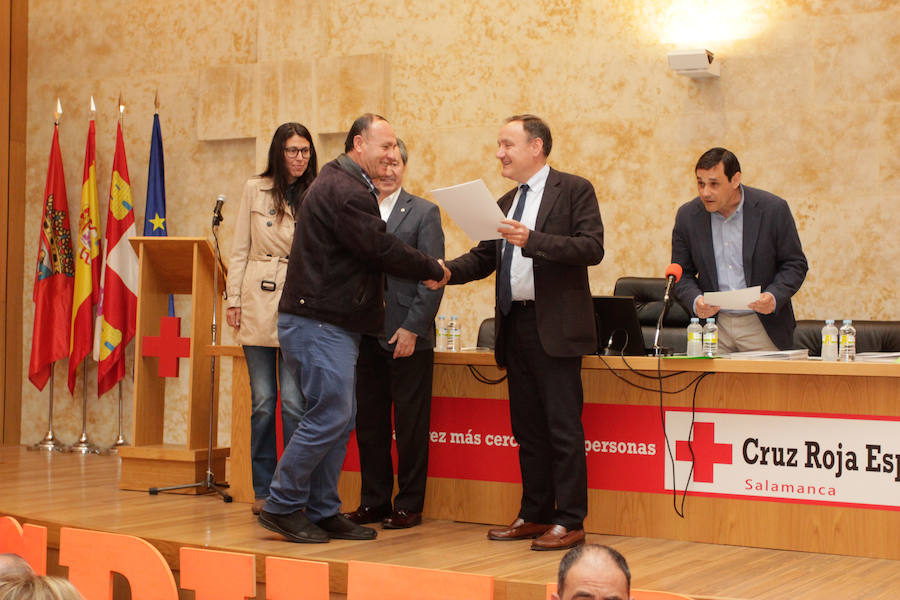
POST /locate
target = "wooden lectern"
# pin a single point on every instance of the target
(174, 265)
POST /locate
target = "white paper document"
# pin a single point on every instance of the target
(801, 354)
(886, 357)
(733, 299)
(472, 208)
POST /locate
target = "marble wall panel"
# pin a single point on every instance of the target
(827, 7)
(290, 30)
(228, 98)
(286, 94)
(104, 38)
(889, 156)
(348, 86)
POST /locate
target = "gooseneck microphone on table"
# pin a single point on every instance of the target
(673, 274)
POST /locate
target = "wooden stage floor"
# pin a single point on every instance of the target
(56, 490)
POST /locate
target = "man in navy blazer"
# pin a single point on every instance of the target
(395, 368)
(544, 324)
(732, 236)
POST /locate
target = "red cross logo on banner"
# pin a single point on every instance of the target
(707, 452)
(169, 346)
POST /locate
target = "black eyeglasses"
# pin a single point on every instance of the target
(293, 151)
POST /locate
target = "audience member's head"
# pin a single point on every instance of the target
(13, 565)
(37, 587)
(593, 572)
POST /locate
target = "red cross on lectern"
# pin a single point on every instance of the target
(707, 452)
(169, 346)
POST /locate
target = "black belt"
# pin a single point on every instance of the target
(522, 304)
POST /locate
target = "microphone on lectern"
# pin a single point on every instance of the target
(217, 211)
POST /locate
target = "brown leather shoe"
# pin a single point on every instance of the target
(368, 514)
(258, 505)
(518, 530)
(558, 538)
(401, 519)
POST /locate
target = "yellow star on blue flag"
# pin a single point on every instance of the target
(158, 222)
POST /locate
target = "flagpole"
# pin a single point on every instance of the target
(120, 440)
(50, 442)
(83, 445)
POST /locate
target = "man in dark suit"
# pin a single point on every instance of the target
(544, 324)
(730, 237)
(396, 367)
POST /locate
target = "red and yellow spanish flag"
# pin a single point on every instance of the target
(87, 263)
(117, 312)
(54, 276)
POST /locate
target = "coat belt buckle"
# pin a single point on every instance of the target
(267, 285)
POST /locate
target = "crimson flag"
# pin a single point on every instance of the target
(55, 275)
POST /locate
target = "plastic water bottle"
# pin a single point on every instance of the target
(848, 341)
(829, 341)
(453, 334)
(441, 341)
(710, 338)
(694, 338)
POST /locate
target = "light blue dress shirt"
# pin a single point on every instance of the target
(521, 273)
(728, 248)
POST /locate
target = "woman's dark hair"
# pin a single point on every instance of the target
(277, 168)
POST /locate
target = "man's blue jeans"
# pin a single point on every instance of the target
(322, 357)
(262, 363)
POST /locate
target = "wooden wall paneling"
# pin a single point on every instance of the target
(5, 72)
(13, 106)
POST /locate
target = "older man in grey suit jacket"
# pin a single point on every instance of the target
(396, 368)
(732, 236)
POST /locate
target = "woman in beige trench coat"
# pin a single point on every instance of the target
(263, 234)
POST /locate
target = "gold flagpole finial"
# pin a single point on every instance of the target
(93, 107)
(58, 111)
(156, 101)
(121, 106)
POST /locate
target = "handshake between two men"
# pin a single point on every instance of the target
(512, 231)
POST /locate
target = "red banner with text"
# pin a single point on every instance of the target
(471, 438)
(836, 459)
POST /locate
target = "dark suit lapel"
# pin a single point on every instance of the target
(751, 232)
(548, 200)
(703, 226)
(401, 209)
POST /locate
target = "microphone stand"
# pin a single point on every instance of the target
(209, 482)
(667, 299)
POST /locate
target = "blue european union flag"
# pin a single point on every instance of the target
(155, 209)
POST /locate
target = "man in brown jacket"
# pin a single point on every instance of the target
(334, 293)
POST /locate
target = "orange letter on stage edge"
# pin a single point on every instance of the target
(375, 581)
(285, 575)
(29, 542)
(93, 556)
(215, 575)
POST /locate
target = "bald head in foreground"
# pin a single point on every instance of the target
(593, 572)
(13, 565)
